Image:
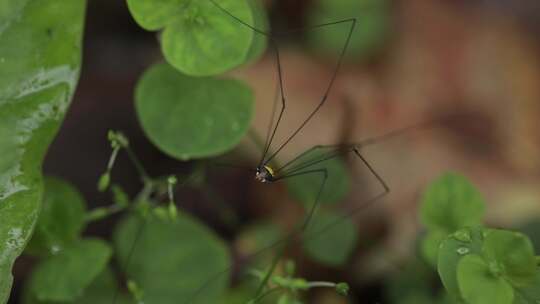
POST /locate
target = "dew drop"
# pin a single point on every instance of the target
(2, 60)
(463, 235)
(462, 250)
(55, 249)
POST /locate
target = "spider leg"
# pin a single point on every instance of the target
(290, 237)
(273, 43)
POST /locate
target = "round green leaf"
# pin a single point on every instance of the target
(64, 277)
(479, 286)
(155, 14)
(513, 253)
(101, 290)
(330, 238)
(61, 220)
(208, 41)
(173, 260)
(451, 202)
(371, 31)
(257, 237)
(430, 246)
(452, 250)
(189, 117)
(305, 188)
(529, 293)
(260, 41)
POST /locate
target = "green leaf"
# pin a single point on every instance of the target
(330, 238)
(529, 293)
(412, 284)
(199, 39)
(451, 202)
(430, 246)
(65, 276)
(513, 254)
(61, 220)
(189, 117)
(260, 41)
(452, 250)
(155, 14)
(172, 260)
(39, 66)
(257, 237)
(479, 286)
(305, 187)
(101, 290)
(371, 31)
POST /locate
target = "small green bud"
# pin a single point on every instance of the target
(117, 139)
(104, 181)
(171, 180)
(135, 290)
(342, 288)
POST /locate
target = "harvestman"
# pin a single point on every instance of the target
(266, 173)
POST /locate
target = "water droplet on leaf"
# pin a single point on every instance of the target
(463, 235)
(462, 250)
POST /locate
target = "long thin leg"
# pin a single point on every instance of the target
(271, 123)
(308, 218)
(346, 147)
(274, 44)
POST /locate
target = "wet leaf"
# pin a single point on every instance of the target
(513, 254)
(61, 220)
(479, 286)
(39, 66)
(452, 250)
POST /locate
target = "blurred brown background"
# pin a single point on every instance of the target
(440, 56)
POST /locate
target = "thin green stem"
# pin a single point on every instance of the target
(321, 284)
(264, 295)
(138, 165)
(112, 159)
(270, 271)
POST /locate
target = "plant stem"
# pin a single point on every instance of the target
(321, 284)
(138, 165)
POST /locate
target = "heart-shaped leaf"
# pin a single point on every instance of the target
(199, 38)
(188, 117)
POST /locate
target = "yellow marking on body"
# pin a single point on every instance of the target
(270, 170)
